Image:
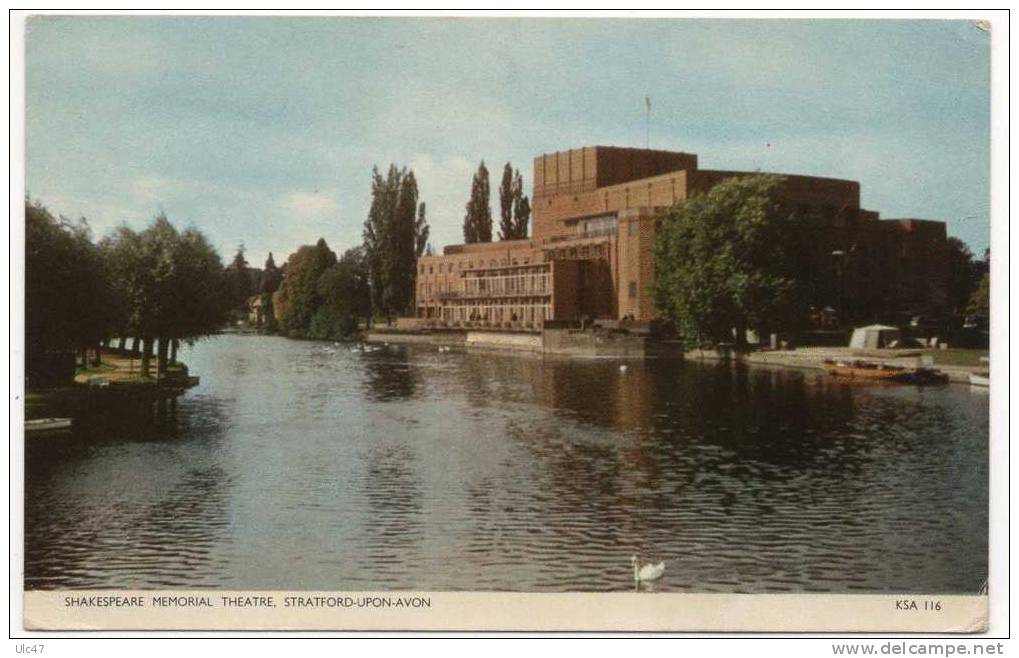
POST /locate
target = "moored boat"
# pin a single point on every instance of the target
(47, 426)
(983, 380)
(883, 372)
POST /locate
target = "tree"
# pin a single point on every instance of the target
(963, 274)
(478, 217)
(507, 229)
(395, 234)
(346, 297)
(173, 283)
(421, 231)
(70, 302)
(198, 288)
(299, 293)
(239, 282)
(731, 259)
(521, 208)
(269, 284)
(132, 268)
(980, 301)
(515, 209)
(271, 276)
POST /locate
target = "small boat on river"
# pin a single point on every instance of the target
(40, 427)
(982, 380)
(883, 372)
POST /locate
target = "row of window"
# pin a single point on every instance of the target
(583, 252)
(519, 284)
(498, 313)
(522, 284)
(469, 265)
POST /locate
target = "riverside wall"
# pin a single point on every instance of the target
(588, 344)
(564, 342)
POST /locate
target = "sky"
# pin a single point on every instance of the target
(264, 131)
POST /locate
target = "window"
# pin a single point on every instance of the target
(633, 289)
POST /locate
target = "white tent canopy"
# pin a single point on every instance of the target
(874, 336)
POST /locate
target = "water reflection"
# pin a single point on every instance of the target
(418, 469)
(388, 377)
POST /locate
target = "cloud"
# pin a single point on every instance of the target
(265, 131)
(311, 205)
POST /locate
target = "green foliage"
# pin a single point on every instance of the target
(506, 226)
(70, 302)
(731, 259)
(271, 276)
(198, 288)
(964, 274)
(421, 232)
(478, 217)
(269, 325)
(173, 283)
(239, 282)
(345, 286)
(521, 208)
(515, 209)
(395, 234)
(299, 295)
(980, 301)
(329, 323)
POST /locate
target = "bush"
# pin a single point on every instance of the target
(329, 323)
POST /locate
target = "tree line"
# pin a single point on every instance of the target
(317, 295)
(514, 207)
(158, 287)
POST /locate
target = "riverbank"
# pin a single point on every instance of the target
(116, 383)
(559, 342)
(813, 358)
(958, 365)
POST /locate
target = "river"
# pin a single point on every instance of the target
(307, 466)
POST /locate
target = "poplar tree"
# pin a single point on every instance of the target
(507, 228)
(478, 217)
(421, 231)
(521, 208)
(395, 234)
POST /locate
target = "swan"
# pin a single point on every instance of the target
(643, 573)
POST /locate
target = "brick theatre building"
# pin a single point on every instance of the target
(591, 254)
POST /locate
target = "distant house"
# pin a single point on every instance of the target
(256, 310)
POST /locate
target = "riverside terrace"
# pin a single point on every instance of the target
(591, 251)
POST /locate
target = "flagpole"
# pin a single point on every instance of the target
(647, 122)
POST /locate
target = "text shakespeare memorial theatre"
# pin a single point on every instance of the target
(591, 254)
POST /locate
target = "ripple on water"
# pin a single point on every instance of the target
(294, 466)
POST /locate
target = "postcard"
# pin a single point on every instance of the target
(506, 323)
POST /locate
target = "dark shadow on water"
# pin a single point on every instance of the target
(388, 377)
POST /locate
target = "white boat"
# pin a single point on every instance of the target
(41, 426)
(981, 380)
